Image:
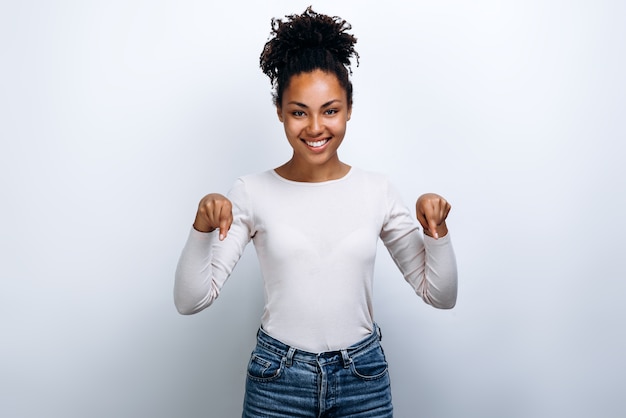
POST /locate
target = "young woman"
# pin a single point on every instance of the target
(315, 222)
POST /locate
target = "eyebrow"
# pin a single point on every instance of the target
(306, 107)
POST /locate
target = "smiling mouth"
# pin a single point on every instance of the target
(316, 144)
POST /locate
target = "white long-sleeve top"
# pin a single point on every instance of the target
(316, 244)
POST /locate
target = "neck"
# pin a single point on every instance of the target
(293, 171)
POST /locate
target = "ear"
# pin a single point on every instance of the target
(279, 112)
(349, 113)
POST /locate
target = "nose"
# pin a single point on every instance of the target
(315, 127)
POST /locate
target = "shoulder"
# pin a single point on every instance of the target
(379, 186)
(248, 190)
(250, 181)
(254, 186)
(262, 176)
(372, 179)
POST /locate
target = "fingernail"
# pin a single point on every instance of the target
(221, 237)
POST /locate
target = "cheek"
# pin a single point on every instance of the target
(293, 127)
(339, 127)
(292, 131)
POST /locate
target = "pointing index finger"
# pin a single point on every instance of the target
(432, 226)
(226, 219)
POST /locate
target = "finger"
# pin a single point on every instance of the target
(422, 220)
(204, 218)
(225, 227)
(432, 226)
(443, 212)
(226, 220)
(431, 214)
(444, 209)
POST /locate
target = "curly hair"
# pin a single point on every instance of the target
(307, 42)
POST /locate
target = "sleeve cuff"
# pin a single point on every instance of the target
(445, 240)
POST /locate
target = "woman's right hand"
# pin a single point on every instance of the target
(215, 211)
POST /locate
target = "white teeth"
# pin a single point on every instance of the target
(317, 143)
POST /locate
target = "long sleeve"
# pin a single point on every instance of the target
(206, 263)
(195, 287)
(309, 238)
(427, 264)
(438, 285)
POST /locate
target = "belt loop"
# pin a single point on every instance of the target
(289, 359)
(379, 332)
(346, 358)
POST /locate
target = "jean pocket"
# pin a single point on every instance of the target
(264, 368)
(370, 366)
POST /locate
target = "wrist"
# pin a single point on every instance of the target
(198, 226)
(442, 231)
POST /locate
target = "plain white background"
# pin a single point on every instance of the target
(116, 117)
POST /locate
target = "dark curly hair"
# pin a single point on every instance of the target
(307, 42)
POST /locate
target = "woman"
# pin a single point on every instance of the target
(315, 222)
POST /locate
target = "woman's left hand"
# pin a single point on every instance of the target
(432, 211)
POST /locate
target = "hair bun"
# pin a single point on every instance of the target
(298, 35)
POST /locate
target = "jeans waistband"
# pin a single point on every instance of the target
(291, 353)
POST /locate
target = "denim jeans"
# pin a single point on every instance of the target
(284, 382)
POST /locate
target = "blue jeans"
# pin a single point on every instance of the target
(284, 382)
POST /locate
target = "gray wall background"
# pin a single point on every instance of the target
(116, 117)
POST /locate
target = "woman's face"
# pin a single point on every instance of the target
(314, 112)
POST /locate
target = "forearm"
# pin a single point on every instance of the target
(194, 287)
(439, 285)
